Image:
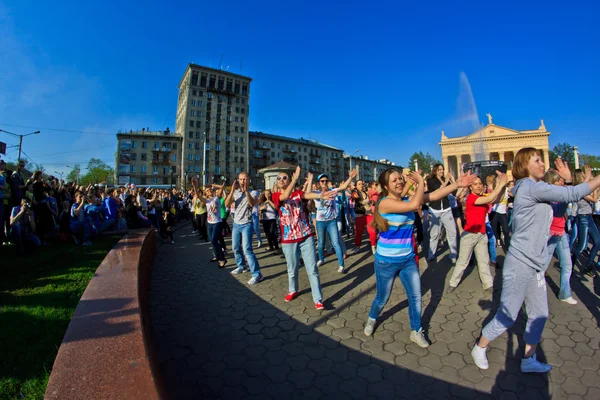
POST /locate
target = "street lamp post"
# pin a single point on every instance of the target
(352, 155)
(78, 172)
(59, 173)
(20, 138)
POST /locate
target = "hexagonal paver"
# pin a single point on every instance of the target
(302, 379)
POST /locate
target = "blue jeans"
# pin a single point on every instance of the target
(586, 225)
(491, 241)
(256, 224)
(241, 238)
(21, 238)
(572, 229)
(214, 233)
(82, 226)
(561, 245)
(331, 228)
(350, 215)
(292, 253)
(385, 273)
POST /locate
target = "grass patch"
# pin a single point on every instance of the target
(38, 295)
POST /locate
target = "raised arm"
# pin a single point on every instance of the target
(288, 190)
(501, 182)
(392, 206)
(463, 181)
(345, 184)
(220, 189)
(544, 192)
(229, 198)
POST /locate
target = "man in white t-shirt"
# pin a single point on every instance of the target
(243, 226)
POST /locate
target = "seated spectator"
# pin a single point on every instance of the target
(121, 221)
(132, 214)
(22, 222)
(80, 223)
(64, 223)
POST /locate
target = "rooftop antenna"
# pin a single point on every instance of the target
(220, 61)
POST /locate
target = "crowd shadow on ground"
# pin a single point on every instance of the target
(219, 338)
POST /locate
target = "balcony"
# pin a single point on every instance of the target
(221, 91)
(292, 159)
(286, 150)
(162, 149)
(161, 162)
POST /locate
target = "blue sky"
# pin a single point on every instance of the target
(380, 77)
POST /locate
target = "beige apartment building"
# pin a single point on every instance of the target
(368, 170)
(267, 149)
(148, 158)
(212, 119)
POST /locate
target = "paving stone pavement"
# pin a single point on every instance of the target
(217, 337)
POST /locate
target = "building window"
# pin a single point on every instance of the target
(190, 168)
(217, 170)
(209, 95)
(236, 129)
(218, 147)
(242, 129)
(173, 157)
(200, 93)
(191, 124)
(143, 180)
(190, 146)
(242, 160)
(272, 154)
(199, 103)
(193, 102)
(143, 168)
(228, 138)
(207, 146)
(193, 92)
(244, 90)
(197, 157)
(197, 168)
(243, 101)
(279, 146)
(132, 168)
(144, 145)
(190, 157)
(236, 149)
(242, 120)
(237, 170)
(174, 146)
(133, 156)
(193, 113)
(132, 180)
(235, 159)
(134, 144)
(155, 169)
(155, 181)
(191, 135)
(243, 111)
(143, 156)
(237, 119)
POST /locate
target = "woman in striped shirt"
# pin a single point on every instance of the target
(394, 218)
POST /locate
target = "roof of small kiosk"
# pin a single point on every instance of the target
(278, 166)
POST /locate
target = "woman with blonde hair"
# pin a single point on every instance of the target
(526, 261)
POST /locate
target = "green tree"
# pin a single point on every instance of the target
(98, 172)
(565, 152)
(425, 161)
(73, 176)
(593, 161)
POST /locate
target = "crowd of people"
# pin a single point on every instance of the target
(531, 217)
(39, 209)
(540, 212)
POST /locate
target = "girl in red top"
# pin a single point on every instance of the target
(474, 236)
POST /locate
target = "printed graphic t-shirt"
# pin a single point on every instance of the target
(213, 210)
(327, 210)
(292, 218)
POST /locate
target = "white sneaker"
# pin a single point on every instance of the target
(570, 300)
(319, 263)
(237, 271)
(478, 354)
(341, 269)
(419, 338)
(531, 364)
(369, 326)
(256, 280)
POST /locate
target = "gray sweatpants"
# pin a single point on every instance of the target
(469, 242)
(436, 220)
(520, 283)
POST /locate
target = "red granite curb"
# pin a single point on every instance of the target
(106, 353)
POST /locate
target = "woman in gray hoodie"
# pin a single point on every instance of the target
(523, 273)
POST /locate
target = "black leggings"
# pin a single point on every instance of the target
(201, 224)
(501, 220)
(270, 228)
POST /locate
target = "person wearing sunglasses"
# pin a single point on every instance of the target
(327, 213)
(297, 235)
